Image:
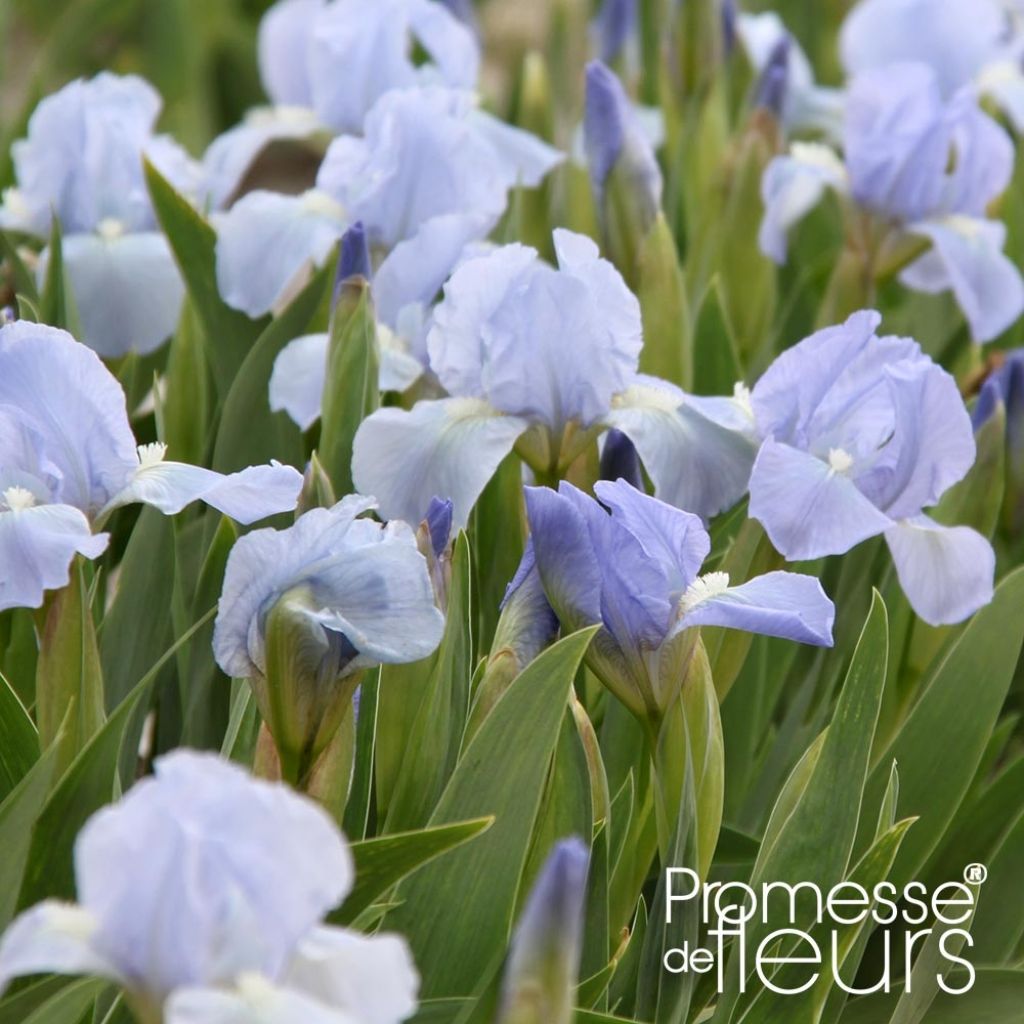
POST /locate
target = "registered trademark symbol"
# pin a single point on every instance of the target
(975, 874)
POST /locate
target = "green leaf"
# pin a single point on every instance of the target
(19, 742)
(458, 911)
(382, 862)
(70, 1004)
(351, 388)
(18, 814)
(228, 333)
(999, 922)
(716, 363)
(185, 407)
(15, 1009)
(811, 833)
(940, 744)
(22, 278)
(249, 432)
(68, 672)
(666, 352)
(432, 744)
(53, 304)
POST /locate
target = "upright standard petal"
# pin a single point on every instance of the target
(266, 241)
(283, 48)
(695, 464)
(372, 979)
(967, 257)
(947, 572)
(451, 446)
(782, 604)
(53, 938)
(808, 508)
(37, 545)
(127, 289)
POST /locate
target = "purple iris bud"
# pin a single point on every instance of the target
(730, 32)
(620, 460)
(354, 257)
(614, 137)
(439, 524)
(615, 23)
(1006, 385)
(543, 964)
(773, 84)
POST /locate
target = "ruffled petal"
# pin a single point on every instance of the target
(52, 938)
(255, 1000)
(792, 186)
(451, 447)
(807, 508)
(564, 556)
(947, 572)
(265, 242)
(297, 381)
(37, 545)
(696, 464)
(784, 604)
(127, 288)
(371, 978)
(230, 156)
(676, 539)
(967, 256)
(246, 496)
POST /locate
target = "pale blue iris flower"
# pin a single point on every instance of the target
(542, 360)
(922, 166)
(430, 174)
(860, 434)
(82, 162)
(977, 44)
(68, 458)
(201, 893)
(364, 588)
(633, 566)
(325, 63)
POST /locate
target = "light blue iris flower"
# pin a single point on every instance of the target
(82, 162)
(542, 360)
(365, 589)
(860, 434)
(431, 173)
(68, 458)
(976, 44)
(325, 63)
(633, 566)
(921, 166)
(201, 893)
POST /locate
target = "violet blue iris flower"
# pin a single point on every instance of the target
(973, 44)
(541, 360)
(68, 458)
(201, 893)
(860, 434)
(633, 566)
(325, 63)
(430, 174)
(920, 166)
(82, 162)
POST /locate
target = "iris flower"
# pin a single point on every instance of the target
(431, 173)
(68, 458)
(860, 434)
(323, 65)
(201, 893)
(633, 566)
(919, 166)
(541, 360)
(977, 44)
(364, 588)
(82, 162)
